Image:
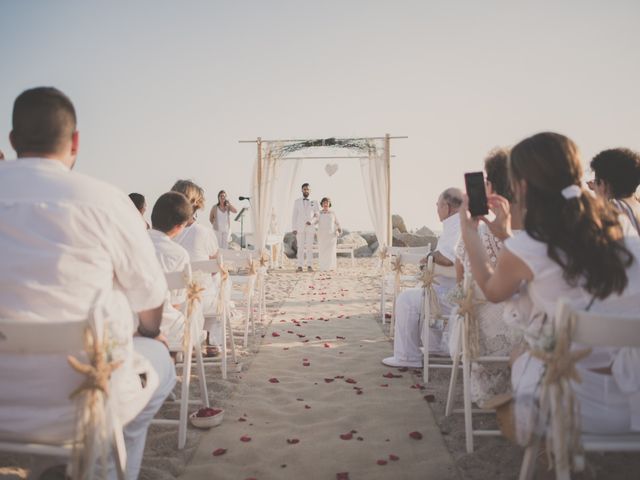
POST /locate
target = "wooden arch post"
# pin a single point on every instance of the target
(387, 161)
(259, 202)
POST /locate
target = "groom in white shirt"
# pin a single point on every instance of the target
(305, 218)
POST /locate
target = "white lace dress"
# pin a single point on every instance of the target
(495, 337)
(328, 227)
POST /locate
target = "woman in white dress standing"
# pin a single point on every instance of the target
(220, 218)
(328, 232)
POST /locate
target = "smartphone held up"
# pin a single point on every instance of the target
(477, 194)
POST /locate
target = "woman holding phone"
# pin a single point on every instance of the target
(220, 218)
(572, 247)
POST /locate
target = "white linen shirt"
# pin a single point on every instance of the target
(67, 240)
(172, 258)
(450, 237)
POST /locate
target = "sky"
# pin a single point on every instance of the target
(166, 89)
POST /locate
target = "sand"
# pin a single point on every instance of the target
(294, 425)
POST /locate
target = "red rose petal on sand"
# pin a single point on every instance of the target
(359, 392)
(354, 431)
(359, 438)
(306, 364)
(326, 345)
(328, 380)
(384, 384)
(286, 348)
(393, 458)
(245, 438)
(339, 376)
(342, 476)
(292, 441)
(318, 337)
(219, 451)
(416, 435)
(242, 419)
(403, 369)
(340, 338)
(274, 380)
(307, 407)
(275, 334)
(289, 331)
(381, 462)
(350, 380)
(301, 335)
(346, 436)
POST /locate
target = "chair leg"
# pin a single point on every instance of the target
(247, 319)
(233, 343)
(383, 301)
(425, 352)
(466, 387)
(204, 396)
(392, 322)
(452, 385)
(184, 398)
(528, 467)
(223, 364)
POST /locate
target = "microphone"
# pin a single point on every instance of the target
(244, 198)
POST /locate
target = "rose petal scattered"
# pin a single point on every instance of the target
(384, 384)
(346, 436)
(275, 334)
(274, 380)
(339, 376)
(307, 407)
(242, 419)
(403, 369)
(340, 338)
(292, 441)
(301, 335)
(328, 380)
(391, 375)
(381, 462)
(416, 435)
(245, 438)
(306, 364)
(342, 476)
(393, 458)
(359, 438)
(350, 380)
(219, 451)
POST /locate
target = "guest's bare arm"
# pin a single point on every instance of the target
(440, 259)
(497, 285)
(231, 208)
(150, 322)
(459, 271)
(212, 215)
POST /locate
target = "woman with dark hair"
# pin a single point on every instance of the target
(141, 205)
(572, 247)
(220, 218)
(495, 338)
(328, 232)
(617, 176)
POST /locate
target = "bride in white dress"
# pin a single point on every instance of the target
(328, 232)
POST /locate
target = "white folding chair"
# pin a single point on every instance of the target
(590, 330)
(244, 259)
(462, 355)
(209, 267)
(31, 339)
(180, 281)
(388, 285)
(430, 361)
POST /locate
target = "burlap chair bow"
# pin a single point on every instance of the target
(223, 297)
(471, 328)
(264, 258)
(383, 254)
(563, 441)
(194, 296)
(91, 419)
(398, 268)
(430, 300)
(252, 274)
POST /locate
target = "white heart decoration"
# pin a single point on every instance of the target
(331, 168)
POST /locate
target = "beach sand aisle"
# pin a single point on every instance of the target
(315, 402)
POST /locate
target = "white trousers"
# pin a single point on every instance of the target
(305, 238)
(223, 238)
(406, 338)
(135, 432)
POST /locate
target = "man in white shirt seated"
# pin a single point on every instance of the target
(169, 217)
(305, 218)
(406, 340)
(70, 243)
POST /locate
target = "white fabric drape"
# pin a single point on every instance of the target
(276, 193)
(374, 178)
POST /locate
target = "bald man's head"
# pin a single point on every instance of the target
(449, 203)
